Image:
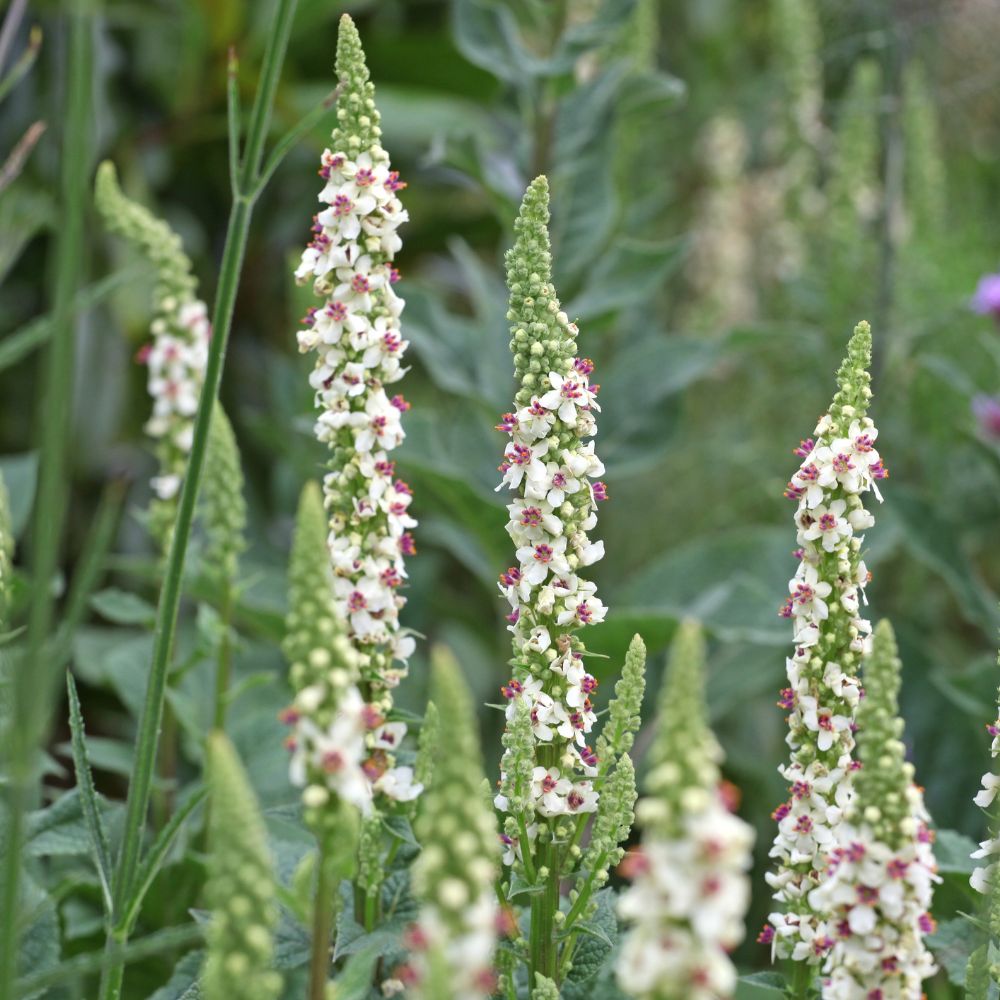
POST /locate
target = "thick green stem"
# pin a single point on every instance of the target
(801, 980)
(319, 963)
(166, 620)
(34, 679)
(545, 904)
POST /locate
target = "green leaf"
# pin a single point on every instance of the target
(20, 476)
(61, 830)
(182, 980)
(88, 798)
(600, 934)
(760, 986)
(952, 944)
(520, 886)
(123, 608)
(38, 947)
(355, 981)
(952, 851)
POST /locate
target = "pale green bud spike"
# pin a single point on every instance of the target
(223, 508)
(423, 767)
(684, 754)
(6, 554)
(545, 988)
(853, 380)
(615, 816)
(797, 39)
(882, 785)
(152, 236)
(459, 859)
(518, 760)
(241, 889)
(624, 718)
(853, 190)
(315, 644)
(977, 974)
(357, 117)
(925, 169)
(542, 339)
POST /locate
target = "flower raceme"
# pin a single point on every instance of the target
(840, 464)
(549, 466)
(177, 355)
(691, 889)
(356, 338)
(984, 877)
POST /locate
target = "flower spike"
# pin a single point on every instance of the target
(839, 466)
(691, 889)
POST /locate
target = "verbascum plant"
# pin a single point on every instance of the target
(356, 338)
(795, 29)
(454, 875)
(550, 775)
(241, 889)
(925, 169)
(691, 887)
(178, 352)
(881, 872)
(840, 465)
(329, 718)
(854, 186)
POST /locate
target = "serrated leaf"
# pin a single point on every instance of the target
(355, 981)
(123, 608)
(183, 979)
(520, 886)
(88, 798)
(599, 936)
(60, 829)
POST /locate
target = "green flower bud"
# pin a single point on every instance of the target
(624, 719)
(545, 988)
(241, 888)
(977, 974)
(925, 169)
(615, 815)
(223, 508)
(357, 117)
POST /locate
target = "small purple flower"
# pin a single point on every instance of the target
(986, 301)
(986, 410)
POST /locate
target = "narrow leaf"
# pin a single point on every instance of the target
(88, 796)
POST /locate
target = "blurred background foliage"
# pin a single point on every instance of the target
(734, 185)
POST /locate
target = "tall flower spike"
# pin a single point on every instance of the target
(925, 168)
(876, 897)
(839, 466)
(687, 904)
(549, 467)
(984, 878)
(358, 345)
(454, 874)
(329, 719)
(177, 355)
(241, 889)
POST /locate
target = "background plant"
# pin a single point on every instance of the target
(476, 98)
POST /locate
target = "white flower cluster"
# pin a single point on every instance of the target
(878, 900)
(983, 877)
(351, 756)
(359, 347)
(686, 905)
(468, 955)
(830, 637)
(548, 464)
(176, 360)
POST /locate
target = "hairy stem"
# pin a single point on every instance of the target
(224, 666)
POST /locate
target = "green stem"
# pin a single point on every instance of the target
(319, 963)
(801, 980)
(166, 620)
(34, 680)
(371, 910)
(545, 904)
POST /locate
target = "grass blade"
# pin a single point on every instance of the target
(88, 797)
